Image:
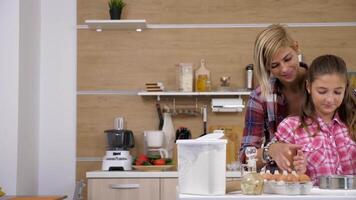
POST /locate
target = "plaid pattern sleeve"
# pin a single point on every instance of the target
(286, 129)
(254, 124)
(327, 147)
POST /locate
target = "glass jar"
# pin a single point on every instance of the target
(184, 77)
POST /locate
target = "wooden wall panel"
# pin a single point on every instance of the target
(96, 113)
(226, 11)
(127, 59)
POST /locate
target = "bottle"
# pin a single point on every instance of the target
(249, 76)
(202, 78)
(252, 182)
(169, 133)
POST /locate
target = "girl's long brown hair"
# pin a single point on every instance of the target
(331, 64)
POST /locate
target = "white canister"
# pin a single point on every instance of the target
(202, 166)
(184, 77)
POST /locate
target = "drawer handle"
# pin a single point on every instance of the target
(125, 186)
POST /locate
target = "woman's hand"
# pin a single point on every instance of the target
(299, 162)
(283, 153)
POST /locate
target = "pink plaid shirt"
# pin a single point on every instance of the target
(329, 151)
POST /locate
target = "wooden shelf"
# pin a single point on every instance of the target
(239, 92)
(140, 24)
(99, 25)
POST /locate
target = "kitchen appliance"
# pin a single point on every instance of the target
(153, 143)
(227, 104)
(117, 157)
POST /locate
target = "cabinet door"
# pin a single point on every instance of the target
(169, 188)
(123, 189)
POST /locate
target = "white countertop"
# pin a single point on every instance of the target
(315, 194)
(140, 174)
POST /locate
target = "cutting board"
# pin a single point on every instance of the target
(233, 134)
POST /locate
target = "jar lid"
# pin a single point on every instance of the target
(249, 67)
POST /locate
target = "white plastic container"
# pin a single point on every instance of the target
(202, 166)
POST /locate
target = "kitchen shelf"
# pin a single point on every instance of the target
(99, 25)
(239, 92)
(140, 24)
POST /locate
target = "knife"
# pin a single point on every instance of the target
(159, 112)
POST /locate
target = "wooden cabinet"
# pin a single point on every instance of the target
(124, 189)
(168, 188)
(132, 188)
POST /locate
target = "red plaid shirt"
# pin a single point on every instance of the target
(262, 117)
(329, 151)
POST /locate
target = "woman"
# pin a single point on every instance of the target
(280, 74)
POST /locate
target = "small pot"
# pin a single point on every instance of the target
(115, 13)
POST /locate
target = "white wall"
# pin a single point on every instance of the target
(37, 96)
(29, 76)
(57, 142)
(9, 70)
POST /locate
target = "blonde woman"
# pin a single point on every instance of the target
(280, 75)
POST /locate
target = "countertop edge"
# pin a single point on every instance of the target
(140, 174)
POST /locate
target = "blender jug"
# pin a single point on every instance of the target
(119, 139)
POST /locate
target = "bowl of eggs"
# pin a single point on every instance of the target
(286, 183)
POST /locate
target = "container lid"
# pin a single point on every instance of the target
(197, 142)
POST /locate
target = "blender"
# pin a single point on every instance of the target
(117, 157)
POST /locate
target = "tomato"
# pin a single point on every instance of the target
(142, 157)
(139, 162)
(159, 162)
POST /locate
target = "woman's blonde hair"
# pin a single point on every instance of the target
(267, 44)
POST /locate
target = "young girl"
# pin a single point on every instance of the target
(326, 127)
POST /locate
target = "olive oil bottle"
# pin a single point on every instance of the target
(202, 78)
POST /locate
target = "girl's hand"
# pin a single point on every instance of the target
(299, 162)
(283, 153)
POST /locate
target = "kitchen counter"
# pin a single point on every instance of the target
(315, 194)
(145, 174)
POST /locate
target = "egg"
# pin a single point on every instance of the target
(292, 178)
(303, 178)
(268, 176)
(283, 177)
(276, 175)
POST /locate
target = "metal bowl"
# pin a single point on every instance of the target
(336, 182)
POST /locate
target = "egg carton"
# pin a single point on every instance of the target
(281, 187)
